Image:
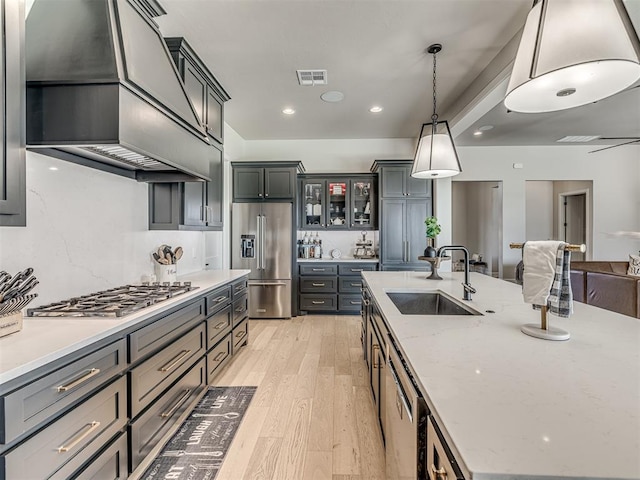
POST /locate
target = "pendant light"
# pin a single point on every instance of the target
(436, 155)
(573, 52)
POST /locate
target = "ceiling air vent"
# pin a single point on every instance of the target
(578, 138)
(312, 77)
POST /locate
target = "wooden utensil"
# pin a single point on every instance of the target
(178, 253)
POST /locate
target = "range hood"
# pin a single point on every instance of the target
(103, 91)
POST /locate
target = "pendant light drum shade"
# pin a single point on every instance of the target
(436, 155)
(573, 52)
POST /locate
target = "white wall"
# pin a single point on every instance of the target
(87, 231)
(539, 210)
(616, 196)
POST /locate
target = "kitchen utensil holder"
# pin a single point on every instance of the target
(10, 323)
(166, 273)
(546, 331)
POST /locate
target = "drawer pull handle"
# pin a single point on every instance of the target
(317, 302)
(241, 334)
(240, 290)
(219, 299)
(357, 269)
(440, 473)
(174, 362)
(240, 309)
(92, 426)
(317, 269)
(220, 325)
(375, 357)
(354, 302)
(356, 284)
(318, 284)
(219, 356)
(91, 373)
(178, 404)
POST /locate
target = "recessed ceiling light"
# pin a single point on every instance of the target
(288, 111)
(332, 96)
(484, 128)
(53, 168)
(477, 133)
(375, 109)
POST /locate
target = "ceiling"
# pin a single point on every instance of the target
(374, 53)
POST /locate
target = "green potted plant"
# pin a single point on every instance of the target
(433, 229)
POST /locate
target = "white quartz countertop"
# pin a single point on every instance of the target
(46, 339)
(513, 406)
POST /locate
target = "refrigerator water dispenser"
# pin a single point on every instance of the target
(248, 246)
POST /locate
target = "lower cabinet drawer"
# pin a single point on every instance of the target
(240, 335)
(44, 398)
(350, 302)
(240, 308)
(111, 464)
(64, 446)
(350, 285)
(318, 284)
(158, 372)
(319, 302)
(218, 326)
(152, 425)
(218, 357)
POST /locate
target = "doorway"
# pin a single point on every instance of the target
(573, 220)
(477, 222)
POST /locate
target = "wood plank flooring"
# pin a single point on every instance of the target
(312, 416)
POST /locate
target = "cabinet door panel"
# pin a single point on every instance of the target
(279, 183)
(393, 234)
(417, 211)
(417, 187)
(196, 88)
(214, 115)
(248, 183)
(215, 191)
(393, 182)
(313, 204)
(192, 203)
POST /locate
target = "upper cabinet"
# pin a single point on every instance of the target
(396, 180)
(12, 122)
(194, 205)
(337, 202)
(265, 181)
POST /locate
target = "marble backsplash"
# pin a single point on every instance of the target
(87, 231)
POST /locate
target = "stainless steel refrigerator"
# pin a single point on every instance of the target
(261, 241)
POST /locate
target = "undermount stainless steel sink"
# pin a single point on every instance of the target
(428, 303)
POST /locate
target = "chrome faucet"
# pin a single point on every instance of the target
(468, 289)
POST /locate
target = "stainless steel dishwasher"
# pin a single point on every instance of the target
(406, 417)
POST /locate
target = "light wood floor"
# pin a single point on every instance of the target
(312, 416)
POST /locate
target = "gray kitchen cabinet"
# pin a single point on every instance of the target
(396, 180)
(344, 202)
(264, 181)
(194, 205)
(332, 287)
(13, 210)
(111, 463)
(377, 335)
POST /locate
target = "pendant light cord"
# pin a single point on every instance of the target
(434, 117)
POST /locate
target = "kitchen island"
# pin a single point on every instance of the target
(514, 406)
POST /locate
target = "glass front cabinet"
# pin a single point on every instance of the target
(337, 203)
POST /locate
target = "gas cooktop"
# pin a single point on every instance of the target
(116, 302)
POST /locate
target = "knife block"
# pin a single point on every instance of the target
(10, 323)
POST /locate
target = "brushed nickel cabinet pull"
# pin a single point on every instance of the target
(240, 309)
(318, 284)
(357, 269)
(375, 363)
(317, 302)
(92, 426)
(219, 299)
(178, 404)
(219, 356)
(356, 284)
(220, 325)
(317, 269)
(241, 334)
(174, 361)
(91, 373)
(353, 302)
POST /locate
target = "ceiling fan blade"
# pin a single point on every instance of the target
(614, 146)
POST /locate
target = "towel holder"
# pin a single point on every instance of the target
(546, 331)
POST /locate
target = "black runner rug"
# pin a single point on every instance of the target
(197, 449)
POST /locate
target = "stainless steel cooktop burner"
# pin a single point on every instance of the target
(116, 302)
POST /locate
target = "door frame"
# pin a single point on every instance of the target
(587, 213)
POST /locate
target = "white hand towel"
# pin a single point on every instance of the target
(539, 258)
